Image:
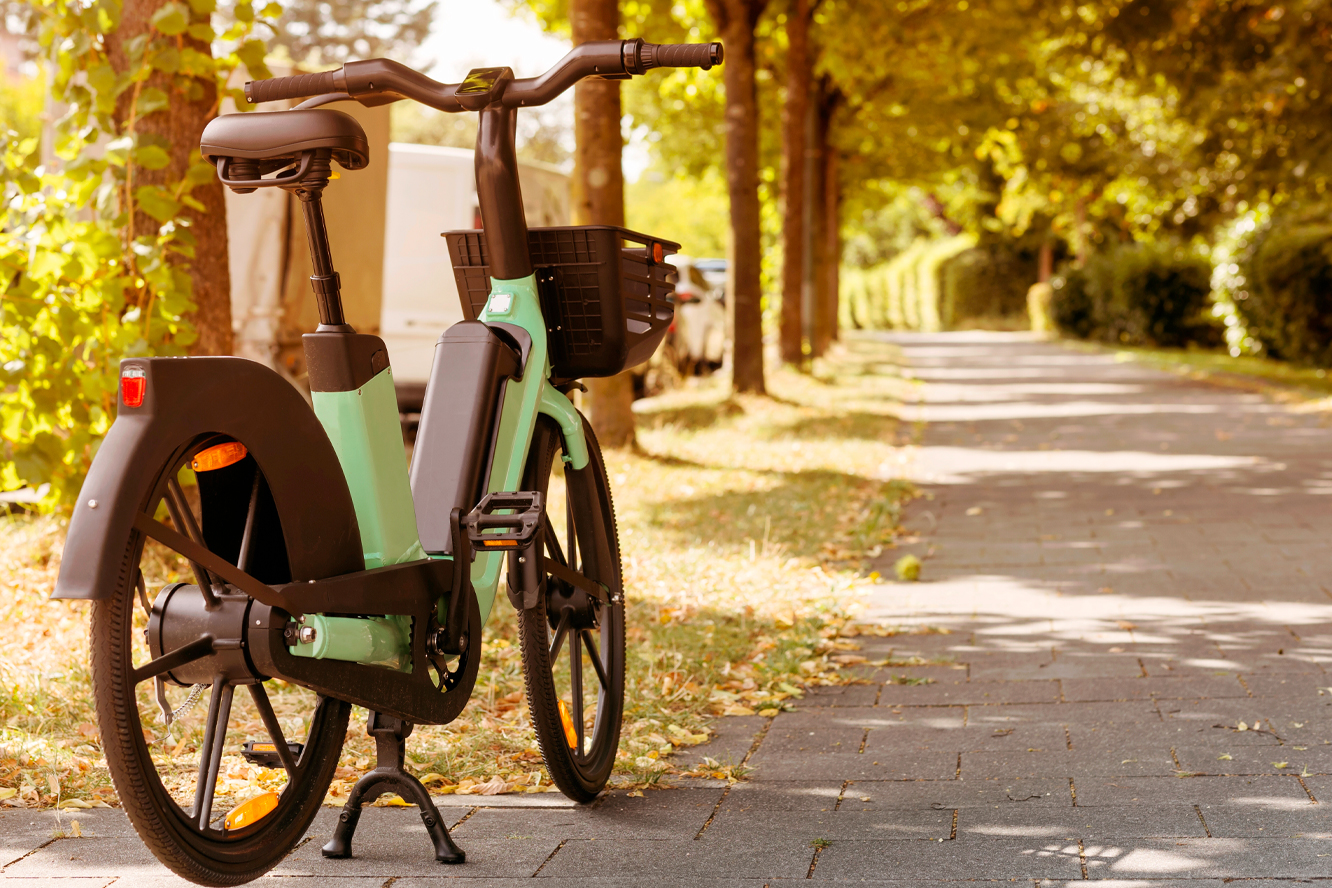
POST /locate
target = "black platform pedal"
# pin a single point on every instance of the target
(516, 528)
(264, 753)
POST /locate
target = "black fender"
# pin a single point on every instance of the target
(187, 398)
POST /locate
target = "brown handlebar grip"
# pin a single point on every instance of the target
(681, 55)
(298, 87)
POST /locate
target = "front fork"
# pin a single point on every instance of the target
(364, 429)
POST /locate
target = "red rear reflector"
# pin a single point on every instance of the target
(133, 385)
(219, 456)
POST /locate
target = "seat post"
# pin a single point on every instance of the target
(325, 281)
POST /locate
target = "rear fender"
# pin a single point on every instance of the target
(187, 398)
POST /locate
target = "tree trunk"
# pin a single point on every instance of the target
(179, 126)
(832, 233)
(796, 110)
(736, 20)
(598, 196)
(827, 247)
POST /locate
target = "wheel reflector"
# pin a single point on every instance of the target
(570, 734)
(252, 811)
(219, 456)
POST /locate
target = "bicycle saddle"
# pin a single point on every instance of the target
(286, 134)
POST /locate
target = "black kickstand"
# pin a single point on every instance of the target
(388, 776)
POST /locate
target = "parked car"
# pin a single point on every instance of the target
(698, 335)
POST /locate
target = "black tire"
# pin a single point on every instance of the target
(207, 856)
(581, 774)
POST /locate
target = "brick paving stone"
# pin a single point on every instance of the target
(974, 692)
(778, 855)
(1243, 821)
(1203, 858)
(1278, 792)
(1124, 821)
(963, 793)
(967, 858)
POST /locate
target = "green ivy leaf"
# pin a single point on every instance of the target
(251, 53)
(152, 157)
(243, 12)
(203, 7)
(171, 19)
(200, 173)
(150, 100)
(156, 202)
(202, 32)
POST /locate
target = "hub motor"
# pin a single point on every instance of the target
(179, 617)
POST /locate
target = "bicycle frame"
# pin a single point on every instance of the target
(362, 424)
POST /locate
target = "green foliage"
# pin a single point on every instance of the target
(905, 293)
(986, 283)
(692, 211)
(83, 288)
(21, 102)
(330, 32)
(1287, 297)
(1138, 294)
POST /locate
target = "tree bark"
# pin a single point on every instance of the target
(179, 125)
(736, 20)
(794, 132)
(598, 195)
(827, 248)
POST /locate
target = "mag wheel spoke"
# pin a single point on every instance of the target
(274, 728)
(210, 754)
(595, 656)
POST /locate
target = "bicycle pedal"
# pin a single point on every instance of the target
(516, 528)
(264, 753)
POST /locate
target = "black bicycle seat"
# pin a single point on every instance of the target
(286, 134)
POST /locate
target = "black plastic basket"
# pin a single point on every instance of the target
(605, 292)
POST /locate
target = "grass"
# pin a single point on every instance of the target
(743, 524)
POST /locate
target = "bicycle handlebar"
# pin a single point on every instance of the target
(377, 81)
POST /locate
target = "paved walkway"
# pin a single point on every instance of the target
(1132, 569)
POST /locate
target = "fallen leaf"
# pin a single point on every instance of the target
(737, 710)
(75, 830)
(1281, 764)
(636, 794)
(1241, 727)
(974, 511)
(1126, 625)
(1223, 757)
(769, 713)
(7, 792)
(494, 786)
(75, 803)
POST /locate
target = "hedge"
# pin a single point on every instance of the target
(1137, 294)
(1286, 300)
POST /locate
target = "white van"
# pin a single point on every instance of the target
(432, 190)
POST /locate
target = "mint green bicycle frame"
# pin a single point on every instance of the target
(364, 428)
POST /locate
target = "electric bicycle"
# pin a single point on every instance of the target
(233, 536)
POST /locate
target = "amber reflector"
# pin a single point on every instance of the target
(658, 253)
(570, 735)
(219, 456)
(252, 811)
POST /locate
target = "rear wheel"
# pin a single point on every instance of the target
(173, 740)
(573, 642)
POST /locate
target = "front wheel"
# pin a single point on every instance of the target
(175, 738)
(572, 642)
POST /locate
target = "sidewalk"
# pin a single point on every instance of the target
(1131, 567)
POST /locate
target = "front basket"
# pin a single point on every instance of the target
(605, 292)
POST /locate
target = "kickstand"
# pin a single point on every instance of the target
(388, 776)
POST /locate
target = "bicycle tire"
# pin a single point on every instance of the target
(580, 773)
(204, 856)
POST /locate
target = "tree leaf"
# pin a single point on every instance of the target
(152, 157)
(156, 202)
(150, 100)
(171, 19)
